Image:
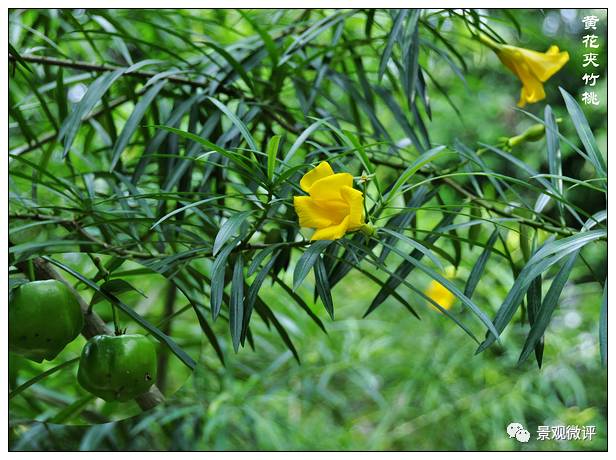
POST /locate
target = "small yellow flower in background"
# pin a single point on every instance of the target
(333, 206)
(439, 293)
(531, 67)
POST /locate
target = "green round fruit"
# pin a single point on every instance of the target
(117, 368)
(44, 316)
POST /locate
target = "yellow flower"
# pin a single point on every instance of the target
(333, 206)
(531, 67)
(439, 293)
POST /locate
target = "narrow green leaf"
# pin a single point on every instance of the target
(217, 285)
(236, 305)
(414, 244)
(268, 315)
(43, 103)
(178, 282)
(554, 155)
(18, 116)
(270, 44)
(550, 301)
(272, 150)
(585, 133)
(549, 254)
(13, 52)
(303, 305)
(94, 94)
(132, 123)
(451, 288)
(301, 139)
(184, 208)
(228, 229)
(478, 268)
(253, 291)
(322, 284)
(233, 63)
(237, 159)
(71, 410)
(533, 297)
(405, 267)
(475, 229)
(237, 122)
(61, 95)
(423, 159)
(114, 287)
(307, 260)
(391, 41)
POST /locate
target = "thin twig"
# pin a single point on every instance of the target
(81, 65)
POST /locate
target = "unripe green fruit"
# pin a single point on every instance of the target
(532, 134)
(44, 316)
(535, 132)
(117, 368)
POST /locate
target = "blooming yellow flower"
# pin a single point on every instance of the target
(531, 67)
(333, 206)
(439, 293)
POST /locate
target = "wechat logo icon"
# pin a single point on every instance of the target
(517, 430)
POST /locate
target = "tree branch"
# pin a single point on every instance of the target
(563, 231)
(81, 65)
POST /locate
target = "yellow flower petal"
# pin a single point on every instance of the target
(532, 91)
(328, 188)
(319, 172)
(355, 199)
(544, 65)
(310, 214)
(332, 233)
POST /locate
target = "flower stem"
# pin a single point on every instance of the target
(483, 38)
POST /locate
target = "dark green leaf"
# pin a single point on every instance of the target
(95, 92)
(218, 278)
(554, 156)
(228, 229)
(236, 305)
(131, 124)
(114, 287)
(550, 301)
(272, 150)
(322, 284)
(585, 133)
(478, 268)
(307, 260)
